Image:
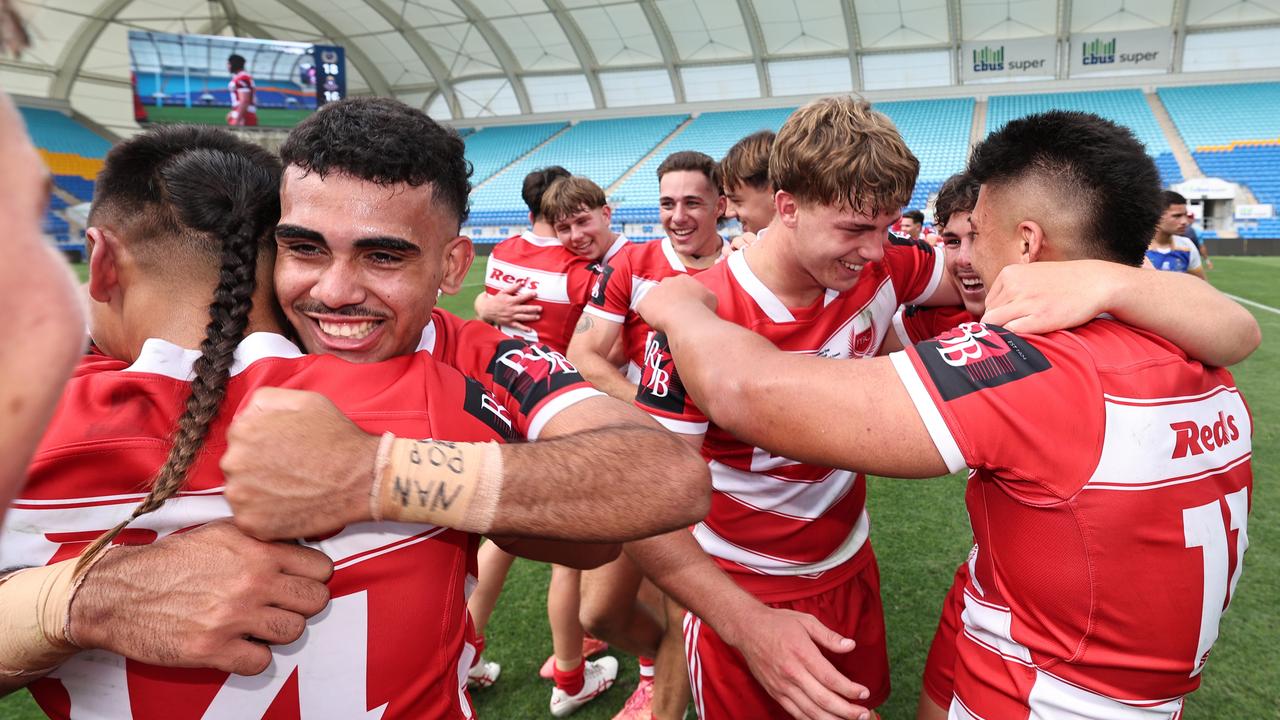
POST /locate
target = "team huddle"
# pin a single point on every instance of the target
(264, 489)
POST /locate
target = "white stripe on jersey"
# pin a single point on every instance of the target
(716, 546)
(929, 413)
(797, 500)
(1053, 697)
(603, 315)
(1197, 437)
(991, 626)
(551, 287)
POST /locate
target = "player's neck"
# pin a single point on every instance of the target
(707, 255)
(181, 320)
(542, 228)
(771, 259)
(1162, 239)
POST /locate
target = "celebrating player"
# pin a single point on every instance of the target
(744, 174)
(133, 229)
(1149, 487)
(243, 112)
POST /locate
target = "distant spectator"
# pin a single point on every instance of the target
(912, 225)
(1170, 249)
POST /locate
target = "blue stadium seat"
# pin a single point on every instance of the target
(1208, 115)
(56, 132)
(491, 149)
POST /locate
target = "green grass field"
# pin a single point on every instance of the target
(267, 117)
(920, 533)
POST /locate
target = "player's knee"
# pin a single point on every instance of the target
(600, 619)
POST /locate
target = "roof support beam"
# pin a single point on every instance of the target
(369, 69)
(423, 50)
(955, 26)
(1064, 38)
(855, 43)
(501, 50)
(587, 58)
(1179, 33)
(72, 58)
(756, 37)
(666, 44)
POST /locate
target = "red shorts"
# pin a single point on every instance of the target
(939, 668)
(990, 685)
(723, 686)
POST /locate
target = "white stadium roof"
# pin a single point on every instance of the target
(465, 59)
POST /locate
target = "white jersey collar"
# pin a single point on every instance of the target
(773, 307)
(161, 357)
(539, 240)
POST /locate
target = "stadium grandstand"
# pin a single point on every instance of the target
(609, 89)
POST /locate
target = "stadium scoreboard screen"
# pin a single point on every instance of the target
(221, 80)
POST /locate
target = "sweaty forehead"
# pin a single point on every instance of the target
(341, 207)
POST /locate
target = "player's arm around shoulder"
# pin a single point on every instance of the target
(590, 348)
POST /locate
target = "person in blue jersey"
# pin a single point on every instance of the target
(1170, 249)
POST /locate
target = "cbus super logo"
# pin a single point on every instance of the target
(975, 356)
(1192, 438)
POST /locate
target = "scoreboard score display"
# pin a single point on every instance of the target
(205, 79)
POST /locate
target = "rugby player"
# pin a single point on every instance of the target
(744, 174)
(379, 561)
(690, 205)
(243, 111)
(1148, 488)
(1170, 249)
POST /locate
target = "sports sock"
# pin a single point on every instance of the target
(646, 668)
(571, 681)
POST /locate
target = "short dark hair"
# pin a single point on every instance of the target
(1086, 157)
(385, 142)
(747, 162)
(236, 62)
(536, 184)
(1172, 198)
(914, 215)
(693, 161)
(958, 194)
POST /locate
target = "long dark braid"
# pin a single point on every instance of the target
(236, 198)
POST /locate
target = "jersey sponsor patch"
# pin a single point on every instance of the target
(660, 386)
(531, 373)
(602, 281)
(485, 407)
(974, 356)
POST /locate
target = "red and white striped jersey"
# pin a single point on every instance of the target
(622, 284)
(1109, 496)
(242, 83)
(917, 323)
(391, 642)
(782, 528)
(562, 280)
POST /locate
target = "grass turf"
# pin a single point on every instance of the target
(920, 533)
(267, 117)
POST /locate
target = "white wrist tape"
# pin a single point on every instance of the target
(454, 485)
(35, 615)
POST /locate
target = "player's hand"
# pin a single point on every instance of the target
(296, 467)
(1041, 297)
(673, 298)
(510, 307)
(209, 598)
(784, 648)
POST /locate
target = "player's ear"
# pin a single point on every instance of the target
(104, 263)
(785, 205)
(459, 253)
(1031, 241)
(607, 212)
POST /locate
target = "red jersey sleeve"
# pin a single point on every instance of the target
(916, 269)
(916, 323)
(662, 395)
(532, 382)
(1031, 414)
(611, 296)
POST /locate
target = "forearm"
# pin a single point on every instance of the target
(1220, 332)
(601, 373)
(482, 305)
(612, 484)
(681, 569)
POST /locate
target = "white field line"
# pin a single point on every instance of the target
(1259, 305)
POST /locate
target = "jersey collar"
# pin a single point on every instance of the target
(539, 240)
(617, 245)
(428, 340)
(773, 307)
(161, 357)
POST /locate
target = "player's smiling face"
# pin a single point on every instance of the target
(359, 265)
(586, 232)
(956, 247)
(832, 242)
(689, 208)
(751, 205)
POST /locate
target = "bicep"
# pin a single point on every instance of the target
(854, 414)
(594, 335)
(592, 414)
